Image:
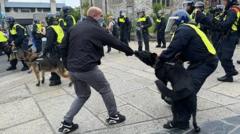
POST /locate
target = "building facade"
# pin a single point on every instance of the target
(25, 12)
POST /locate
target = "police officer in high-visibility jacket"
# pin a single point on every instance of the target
(193, 46)
(37, 35)
(68, 20)
(160, 29)
(53, 48)
(124, 27)
(143, 23)
(3, 41)
(18, 39)
(229, 27)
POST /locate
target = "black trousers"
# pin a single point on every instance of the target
(124, 36)
(161, 38)
(143, 37)
(183, 109)
(225, 52)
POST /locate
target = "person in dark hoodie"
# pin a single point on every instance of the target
(84, 54)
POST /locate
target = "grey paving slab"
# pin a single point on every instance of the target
(96, 105)
(139, 128)
(56, 108)
(132, 114)
(203, 104)
(49, 94)
(149, 102)
(235, 108)
(41, 89)
(39, 126)
(14, 94)
(229, 89)
(214, 114)
(217, 98)
(216, 127)
(17, 112)
(236, 131)
(233, 120)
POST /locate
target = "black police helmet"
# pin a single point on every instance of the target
(51, 19)
(10, 19)
(66, 9)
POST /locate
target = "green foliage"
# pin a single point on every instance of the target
(156, 7)
(76, 13)
(85, 7)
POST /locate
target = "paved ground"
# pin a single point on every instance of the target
(27, 109)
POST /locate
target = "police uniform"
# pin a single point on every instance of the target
(37, 36)
(228, 40)
(160, 28)
(124, 26)
(67, 22)
(143, 23)
(18, 34)
(193, 46)
(3, 41)
(54, 36)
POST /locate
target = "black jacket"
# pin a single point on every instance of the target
(51, 41)
(19, 37)
(160, 26)
(85, 42)
(187, 42)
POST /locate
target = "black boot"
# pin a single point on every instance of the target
(238, 62)
(164, 46)
(55, 83)
(226, 78)
(11, 68)
(158, 46)
(25, 68)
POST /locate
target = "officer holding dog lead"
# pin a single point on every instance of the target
(18, 40)
(188, 44)
(54, 36)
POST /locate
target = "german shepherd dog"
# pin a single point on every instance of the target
(182, 98)
(46, 64)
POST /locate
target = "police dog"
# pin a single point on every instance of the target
(181, 97)
(45, 64)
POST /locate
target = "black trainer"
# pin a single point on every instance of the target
(118, 118)
(226, 79)
(25, 68)
(66, 128)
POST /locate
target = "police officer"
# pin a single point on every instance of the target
(68, 20)
(227, 44)
(160, 28)
(18, 40)
(54, 36)
(124, 27)
(192, 45)
(37, 35)
(143, 23)
(188, 5)
(3, 41)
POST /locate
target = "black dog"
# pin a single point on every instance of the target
(182, 97)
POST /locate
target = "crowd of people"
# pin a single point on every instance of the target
(201, 38)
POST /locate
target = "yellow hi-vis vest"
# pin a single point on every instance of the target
(3, 37)
(59, 31)
(235, 24)
(65, 23)
(39, 28)
(13, 31)
(158, 20)
(122, 20)
(204, 38)
(142, 19)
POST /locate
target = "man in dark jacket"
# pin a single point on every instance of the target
(143, 23)
(83, 57)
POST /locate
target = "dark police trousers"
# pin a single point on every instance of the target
(143, 37)
(82, 83)
(161, 38)
(57, 55)
(199, 73)
(225, 52)
(124, 36)
(38, 44)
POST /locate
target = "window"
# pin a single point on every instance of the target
(25, 10)
(8, 9)
(33, 10)
(46, 9)
(15, 9)
(163, 2)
